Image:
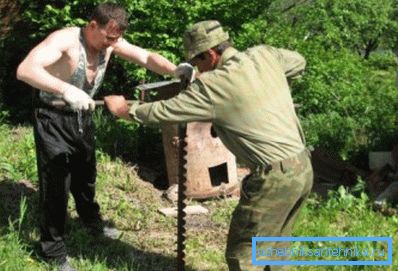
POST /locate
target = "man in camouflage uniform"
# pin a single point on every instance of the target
(247, 98)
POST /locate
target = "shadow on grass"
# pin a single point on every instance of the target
(133, 144)
(11, 194)
(114, 254)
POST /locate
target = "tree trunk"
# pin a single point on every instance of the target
(8, 15)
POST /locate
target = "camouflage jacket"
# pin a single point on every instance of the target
(248, 100)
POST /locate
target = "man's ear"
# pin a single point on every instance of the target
(214, 57)
(93, 24)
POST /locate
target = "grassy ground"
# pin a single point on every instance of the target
(148, 239)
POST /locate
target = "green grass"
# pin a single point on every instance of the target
(148, 239)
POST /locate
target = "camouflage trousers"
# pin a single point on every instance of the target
(269, 204)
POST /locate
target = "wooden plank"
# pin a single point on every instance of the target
(189, 210)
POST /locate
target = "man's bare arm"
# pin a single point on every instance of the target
(140, 56)
(32, 69)
(118, 106)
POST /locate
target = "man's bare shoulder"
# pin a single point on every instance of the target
(64, 38)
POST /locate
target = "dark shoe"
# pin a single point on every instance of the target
(65, 266)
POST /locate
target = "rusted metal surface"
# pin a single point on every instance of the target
(196, 161)
(210, 168)
(181, 204)
(164, 90)
(170, 140)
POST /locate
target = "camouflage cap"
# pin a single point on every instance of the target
(202, 36)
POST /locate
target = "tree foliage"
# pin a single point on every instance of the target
(347, 96)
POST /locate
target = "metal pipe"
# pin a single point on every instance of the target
(61, 103)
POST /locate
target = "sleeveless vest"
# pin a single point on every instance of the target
(78, 77)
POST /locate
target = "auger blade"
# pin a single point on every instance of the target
(181, 200)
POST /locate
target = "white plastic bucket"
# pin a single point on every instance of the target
(378, 160)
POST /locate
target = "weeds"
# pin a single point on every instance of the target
(14, 252)
(17, 154)
(148, 239)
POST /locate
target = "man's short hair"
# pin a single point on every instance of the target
(219, 49)
(105, 12)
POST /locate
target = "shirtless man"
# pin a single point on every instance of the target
(69, 65)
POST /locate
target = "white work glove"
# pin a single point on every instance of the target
(185, 72)
(78, 99)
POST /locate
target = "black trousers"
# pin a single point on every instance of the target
(65, 147)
